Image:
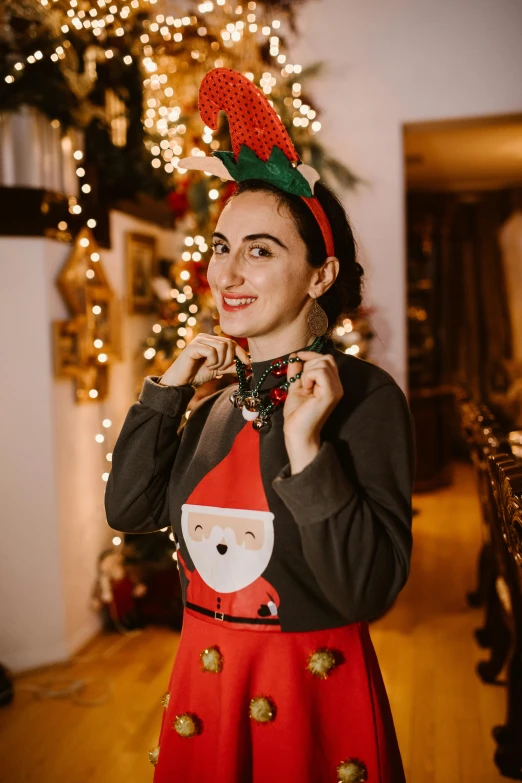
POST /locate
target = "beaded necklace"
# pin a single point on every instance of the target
(256, 410)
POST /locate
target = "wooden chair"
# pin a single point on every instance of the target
(505, 473)
(483, 437)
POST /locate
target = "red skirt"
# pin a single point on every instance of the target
(246, 706)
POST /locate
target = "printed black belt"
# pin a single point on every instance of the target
(229, 618)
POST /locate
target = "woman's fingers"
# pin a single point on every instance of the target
(207, 351)
(319, 369)
(316, 376)
(224, 350)
(228, 360)
(241, 353)
(306, 361)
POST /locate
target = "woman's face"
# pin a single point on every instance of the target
(258, 273)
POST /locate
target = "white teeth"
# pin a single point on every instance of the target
(238, 301)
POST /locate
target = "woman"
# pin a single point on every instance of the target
(291, 507)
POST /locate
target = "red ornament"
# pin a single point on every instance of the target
(278, 372)
(178, 202)
(277, 395)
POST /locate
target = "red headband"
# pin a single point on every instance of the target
(324, 224)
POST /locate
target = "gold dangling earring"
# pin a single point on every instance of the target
(317, 319)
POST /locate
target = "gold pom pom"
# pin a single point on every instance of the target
(165, 699)
(212, 660)
(187, 724)
(351, 771)
(262, 709)
(322, 662)
(153, 755)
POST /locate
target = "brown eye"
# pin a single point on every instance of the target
(264, 252)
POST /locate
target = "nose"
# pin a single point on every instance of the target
(229, 271)
(222, 548)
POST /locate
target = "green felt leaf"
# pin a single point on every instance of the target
(277, 169)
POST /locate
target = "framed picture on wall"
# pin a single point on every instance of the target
(142, 262)
(70, 346)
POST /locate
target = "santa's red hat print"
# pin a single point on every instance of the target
(226, 522)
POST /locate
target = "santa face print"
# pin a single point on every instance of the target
(230, 548)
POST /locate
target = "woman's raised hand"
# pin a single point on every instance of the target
(205, 357)
(310, 401)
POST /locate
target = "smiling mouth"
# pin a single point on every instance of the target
(237, 303)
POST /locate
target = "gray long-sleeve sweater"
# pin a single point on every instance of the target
(342, 538)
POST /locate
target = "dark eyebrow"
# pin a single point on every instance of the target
(253, 236)
(266, 236)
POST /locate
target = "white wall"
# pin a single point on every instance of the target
(390, 62)
(32, 620)
(52, 526)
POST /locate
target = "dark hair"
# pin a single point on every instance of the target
(344, 295)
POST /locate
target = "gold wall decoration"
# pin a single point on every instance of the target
(142, 267)
(70, 344)
(90, 341)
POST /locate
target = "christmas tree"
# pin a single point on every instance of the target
(246, 38)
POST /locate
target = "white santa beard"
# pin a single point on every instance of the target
(235, 569)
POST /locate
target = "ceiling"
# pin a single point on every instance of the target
(471, 154)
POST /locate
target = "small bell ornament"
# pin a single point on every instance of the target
(262, 424)
(236, 399)
(250, 409)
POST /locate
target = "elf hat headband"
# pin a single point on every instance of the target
(261, 146)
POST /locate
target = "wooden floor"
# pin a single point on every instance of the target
(443, 713)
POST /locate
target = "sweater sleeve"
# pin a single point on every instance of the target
(136, 495)
(353, 506)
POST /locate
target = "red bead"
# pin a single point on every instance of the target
(277, 395)
(248, 372)
(279, 371)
